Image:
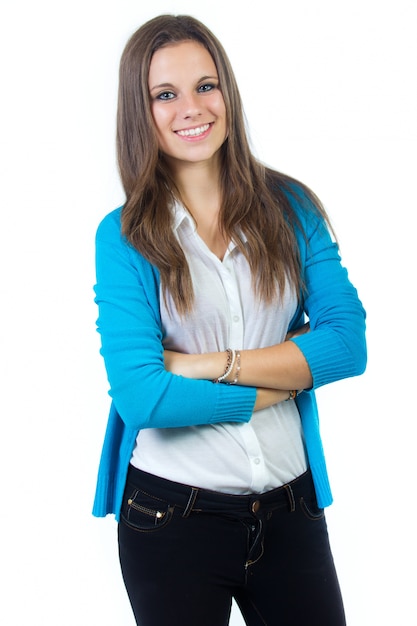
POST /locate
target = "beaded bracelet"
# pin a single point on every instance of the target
(293, 395)
(231, 356)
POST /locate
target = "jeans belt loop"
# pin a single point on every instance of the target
(190, 503)
(291, 498)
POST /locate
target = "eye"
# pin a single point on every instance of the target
(165, 95)
(206, 87)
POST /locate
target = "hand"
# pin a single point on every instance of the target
(198, 366)
(176, 362)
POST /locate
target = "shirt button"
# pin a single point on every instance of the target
(256, 461)
(236, 318)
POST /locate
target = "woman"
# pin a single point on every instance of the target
(212, 460)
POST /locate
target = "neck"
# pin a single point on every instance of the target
(199, 188)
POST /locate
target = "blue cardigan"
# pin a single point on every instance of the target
(145, 395)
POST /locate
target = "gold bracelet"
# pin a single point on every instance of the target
(231, 356)
(237, 372)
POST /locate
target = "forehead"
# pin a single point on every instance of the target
(183, 59)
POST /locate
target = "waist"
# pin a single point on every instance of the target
(190, 498)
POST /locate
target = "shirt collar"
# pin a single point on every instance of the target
(182, 216)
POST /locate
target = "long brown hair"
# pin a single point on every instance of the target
(254, 198)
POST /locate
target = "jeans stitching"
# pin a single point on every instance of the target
(314, 517)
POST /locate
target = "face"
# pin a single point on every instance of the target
(187, 105)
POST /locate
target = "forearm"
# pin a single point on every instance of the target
(282, 366)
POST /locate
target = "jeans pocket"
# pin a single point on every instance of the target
(311, 509)
(143, 512)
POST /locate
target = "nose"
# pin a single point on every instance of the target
(191, 106)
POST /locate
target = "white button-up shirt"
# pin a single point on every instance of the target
(230, 457)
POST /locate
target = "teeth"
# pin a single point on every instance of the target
(193, 132)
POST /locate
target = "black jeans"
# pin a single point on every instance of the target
(186, 552)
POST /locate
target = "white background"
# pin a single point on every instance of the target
(330, 94)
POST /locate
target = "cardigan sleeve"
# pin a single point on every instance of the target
(335, 347)
(144, 394)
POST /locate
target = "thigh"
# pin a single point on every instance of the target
(173, 567)
(295, 582)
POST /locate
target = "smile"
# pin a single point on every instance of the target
(193, 132)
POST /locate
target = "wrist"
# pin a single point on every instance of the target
(230, 361)
(231, 371)
(232, 377)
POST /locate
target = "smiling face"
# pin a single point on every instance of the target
(187, 105)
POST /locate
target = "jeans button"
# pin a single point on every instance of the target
(256, 505)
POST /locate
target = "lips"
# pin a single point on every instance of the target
(193, 132)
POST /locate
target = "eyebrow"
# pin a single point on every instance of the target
(171, 86)
(162, 85)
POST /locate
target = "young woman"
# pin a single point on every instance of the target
(212, 460)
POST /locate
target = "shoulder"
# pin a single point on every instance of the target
(302, 209)
(113, 249)
(110, 228)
